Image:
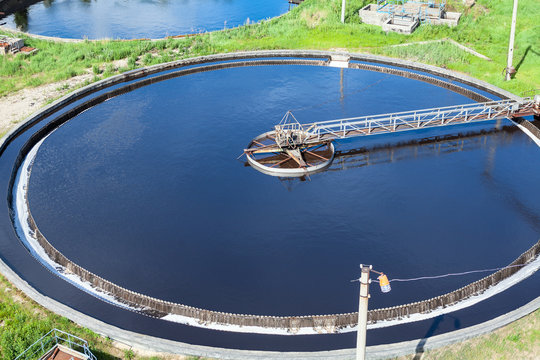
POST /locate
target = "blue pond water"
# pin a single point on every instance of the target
(145, 190)
(128, 19)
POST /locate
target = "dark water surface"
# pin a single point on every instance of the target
(133, 19)
(145, 190)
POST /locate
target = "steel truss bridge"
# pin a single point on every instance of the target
(290, 132)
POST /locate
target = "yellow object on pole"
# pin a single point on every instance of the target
(384, 283)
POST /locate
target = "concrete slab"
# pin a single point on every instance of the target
(369, 15)
(339, 61)
(401, 25)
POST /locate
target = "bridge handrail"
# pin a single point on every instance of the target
(430, 110)
(413, 119)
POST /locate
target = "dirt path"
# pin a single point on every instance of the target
(17, 106)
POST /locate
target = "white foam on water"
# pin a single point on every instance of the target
(242, 329)
(29, 239)
(528, 133)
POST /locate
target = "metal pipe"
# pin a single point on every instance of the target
(343, 11)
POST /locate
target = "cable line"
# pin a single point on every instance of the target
(456, 274)
(444, 275)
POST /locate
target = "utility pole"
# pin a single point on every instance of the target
(343, 11)
(362, 312)
(509, 69)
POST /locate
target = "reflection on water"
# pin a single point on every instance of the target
(210, 232)
(350, 158)
(132, 19)
(21, 20)
(414, 149)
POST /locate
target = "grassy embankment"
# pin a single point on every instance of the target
(519, 340)
(22, 322)
(313, 25)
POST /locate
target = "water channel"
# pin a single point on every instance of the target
(128, 19)
(146, 191)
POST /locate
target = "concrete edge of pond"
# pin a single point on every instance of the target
(16, 32)
(78, 41)
(162, 345)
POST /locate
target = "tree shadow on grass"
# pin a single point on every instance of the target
(101, 355)
(529, 49)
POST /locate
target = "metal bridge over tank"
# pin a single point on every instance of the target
(295, 149)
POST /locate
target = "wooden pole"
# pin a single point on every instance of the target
(362, 313)
(509, 69)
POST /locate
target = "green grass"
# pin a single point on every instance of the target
(22, 322)
(440, 54)
(519, 340)
(313, 25)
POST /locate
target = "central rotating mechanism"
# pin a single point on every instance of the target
(289, 150)
(265, 155)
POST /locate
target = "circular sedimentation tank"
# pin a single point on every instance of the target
(129, 191)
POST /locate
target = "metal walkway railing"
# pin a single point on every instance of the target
(52, 338)
(408, 120)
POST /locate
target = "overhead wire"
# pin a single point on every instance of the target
(457, 274)
(445, 275)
